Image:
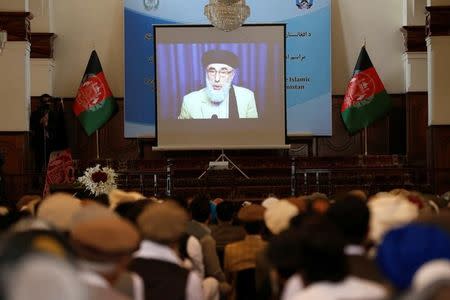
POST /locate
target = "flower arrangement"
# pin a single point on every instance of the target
(99, 180)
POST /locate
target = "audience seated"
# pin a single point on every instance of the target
(138, 248)
(351, 216)
(197, 227)
(323, 266)
(405, 249)
(388, 211)
(104, 243)
(162, 226)
(225, 232)
(241, 255)
(39, 264)
(278, 215)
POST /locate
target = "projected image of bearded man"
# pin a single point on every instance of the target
(220, 99)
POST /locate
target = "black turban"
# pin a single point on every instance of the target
(220, 57)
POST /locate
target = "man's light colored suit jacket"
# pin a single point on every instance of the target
(195, 104)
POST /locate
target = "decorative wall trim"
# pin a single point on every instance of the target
(414, 38)
(17, 24)
(416, 127)
(42, 44)
(437, 20)
(438, 158)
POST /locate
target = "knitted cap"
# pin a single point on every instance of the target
(404, 250)
(278, 215)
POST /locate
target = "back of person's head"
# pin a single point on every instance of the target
(83, 195)
(122, 209)
(442, 220)
(359, 194)
(283, 253)
(10, 218)
(387, 211)
(58, 209)
(99, 235)
(252, 217)
(430, 272)
(225, 211)
(132, 210)
(181, 200)
(199, 208)
(321, 249)
(15, 246)
(164, 223)
(118, 196)
(318, 203)
(405, 249)
(253, 228)
(27, 199)
(351, 216)
(278, 215)
(43, 278)
(101, 199)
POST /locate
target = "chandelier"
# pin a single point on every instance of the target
(227, 15)
(3, 39)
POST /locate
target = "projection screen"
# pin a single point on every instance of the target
(220, 90)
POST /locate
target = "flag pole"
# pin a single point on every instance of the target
(365, 141)
(365, 128)
(98, 147)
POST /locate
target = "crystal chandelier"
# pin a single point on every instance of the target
(227, 15)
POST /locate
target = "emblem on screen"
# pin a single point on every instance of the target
(151, 4)
(304, 4)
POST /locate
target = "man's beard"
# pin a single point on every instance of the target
(217, 96)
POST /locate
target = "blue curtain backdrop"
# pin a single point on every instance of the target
(180, 71)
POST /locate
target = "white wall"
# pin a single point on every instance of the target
(14, 5)
(438, 2)
(42, 11)
(82, 24)
(42, 76)
(438, 86)
(379, 22)
(414, 12)
(15, 87)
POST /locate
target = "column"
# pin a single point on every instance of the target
(438, 135)
(416, 84)
(42, 62)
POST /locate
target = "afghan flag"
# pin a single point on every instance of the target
(366, 99)
(94, 104)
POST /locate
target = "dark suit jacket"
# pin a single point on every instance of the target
(365, 268)
(225, 234)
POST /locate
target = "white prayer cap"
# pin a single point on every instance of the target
(269, 201)
(278, 215)
(44, 278)
(430, 272)
(388, 211)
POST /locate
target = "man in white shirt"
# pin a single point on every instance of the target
(323, 266)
